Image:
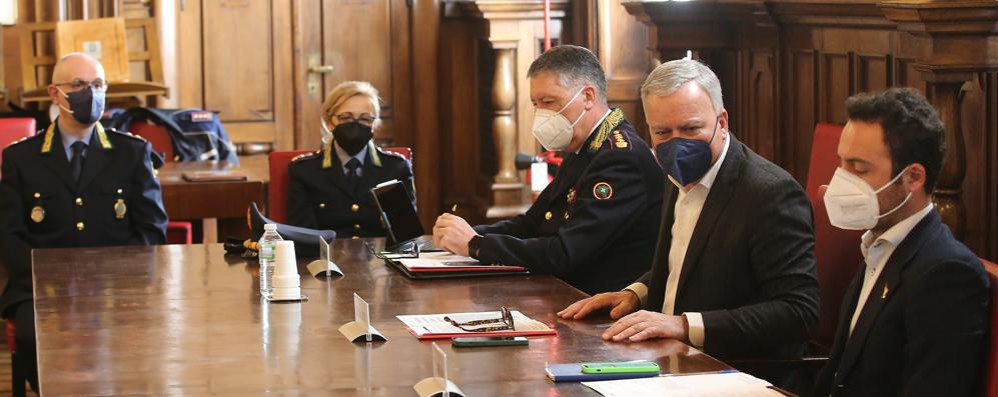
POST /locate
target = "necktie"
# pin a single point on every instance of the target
(76, 163)
(352, 166)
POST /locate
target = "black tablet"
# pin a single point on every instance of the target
(398, 214)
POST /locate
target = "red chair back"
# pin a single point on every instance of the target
(278, 190)
(836, 251)
(156, 134)
(13, 129)
(991, 376)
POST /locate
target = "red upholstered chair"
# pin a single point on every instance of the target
(836, 251)
(991, 364)
(278, 190)
(13, 129)
(157, 135)
(277, 195)
(177, 232)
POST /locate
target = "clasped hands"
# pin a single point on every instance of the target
(633, 325)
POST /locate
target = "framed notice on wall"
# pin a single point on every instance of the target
(102, 38)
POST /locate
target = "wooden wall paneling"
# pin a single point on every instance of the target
(239, 78)
(310, 91)
(990, 112)
(245, 79)
(872, 72)
(622, 46)
(426, 107)
(761, 69)
(460, 118)
(975, 195)
(835, 75)
(799, 99)
(190, 62)
(945, 95)
(381, 57)
(514, 32)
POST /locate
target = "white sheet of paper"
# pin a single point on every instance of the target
(362, 314)
(435, 323)
(428, 260)
(538, 176)
(737, 384)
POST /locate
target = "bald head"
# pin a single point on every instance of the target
(77, 65)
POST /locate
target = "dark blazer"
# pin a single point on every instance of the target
(320, 197)
(43, 208)
(922, 330)
(750, 265)
(594, 225)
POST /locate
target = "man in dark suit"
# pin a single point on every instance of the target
(74, 185)
(594, 226)
(914, 319)
(734, 270)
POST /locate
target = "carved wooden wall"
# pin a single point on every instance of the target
(786, 66)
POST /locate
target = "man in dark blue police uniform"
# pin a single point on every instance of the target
(596, 224)
(73, 185)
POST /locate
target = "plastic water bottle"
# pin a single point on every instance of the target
(266, 254)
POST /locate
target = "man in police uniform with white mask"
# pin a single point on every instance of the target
(596, 224)
(73, 185)
(914, 319)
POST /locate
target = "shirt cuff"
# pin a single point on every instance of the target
(696, 331)
(640, 290)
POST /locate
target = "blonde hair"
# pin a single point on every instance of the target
(349, 89)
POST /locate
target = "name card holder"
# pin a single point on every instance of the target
(438, 385)
(360, 330)
(324, 266)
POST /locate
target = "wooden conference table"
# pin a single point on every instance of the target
(209, 201)
(185, 319)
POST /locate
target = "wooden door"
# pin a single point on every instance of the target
(341, 40)
(236, 60)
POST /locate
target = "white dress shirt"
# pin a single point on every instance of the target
(688, 206)
(877, 253)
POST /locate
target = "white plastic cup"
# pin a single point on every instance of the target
(286, 282)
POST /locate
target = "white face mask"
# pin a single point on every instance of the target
(852, 204)
(552, 129)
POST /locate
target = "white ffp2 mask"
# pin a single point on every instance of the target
(852, 204)
(552, 129)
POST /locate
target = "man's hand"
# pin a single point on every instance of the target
(622, 302)
(452, 233)
(645, 325)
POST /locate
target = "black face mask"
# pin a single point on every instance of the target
(352, 137)
(87, 105)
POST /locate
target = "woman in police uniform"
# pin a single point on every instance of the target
(330, 189)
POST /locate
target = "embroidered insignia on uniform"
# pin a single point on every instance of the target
(200, 116)
(602, 191)
(37, 214)
(120, 209)
(618, 140)
(571, 197)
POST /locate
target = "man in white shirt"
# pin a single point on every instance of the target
(913, 320)
(734, 268)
